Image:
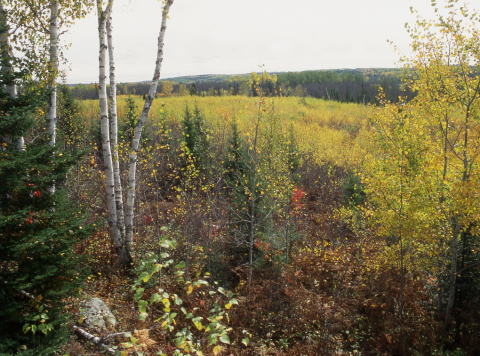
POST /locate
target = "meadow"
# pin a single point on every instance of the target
(323, 277)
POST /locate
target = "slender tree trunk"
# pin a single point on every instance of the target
(114, 131)
(439, 290)
(107, 155)
(129, 211)
(7, 65)
(52, 79)
(453, 276)
(53, 70)
(457, 228)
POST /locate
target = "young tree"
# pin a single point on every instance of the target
(35, 35)
(38, 230)
(424, 177)
(129, 212)
(115, 232)
(167, 88)
(7, 68)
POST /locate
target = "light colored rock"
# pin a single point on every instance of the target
(95, 313)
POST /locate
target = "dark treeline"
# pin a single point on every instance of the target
(357, 86)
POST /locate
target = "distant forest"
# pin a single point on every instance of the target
(343, 85)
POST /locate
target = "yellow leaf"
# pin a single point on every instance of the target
(228, 306)
(217, 350)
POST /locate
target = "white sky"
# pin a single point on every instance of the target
(235, 36)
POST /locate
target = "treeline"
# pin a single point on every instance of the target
(348, 86)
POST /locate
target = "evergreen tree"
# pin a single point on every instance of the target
(235, 89)
(245, 184)
(193, 90)
(38, 230)
(130, 119)
(233, 163)
(68, 118)
(196, 137)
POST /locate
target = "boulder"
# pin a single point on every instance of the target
(95, 313)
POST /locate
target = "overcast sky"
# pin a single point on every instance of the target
(236, 36)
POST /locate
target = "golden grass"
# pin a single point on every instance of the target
(326, 131)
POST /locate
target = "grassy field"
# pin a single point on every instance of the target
(325, 131)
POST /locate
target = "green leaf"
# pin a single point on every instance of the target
(142, 306)
(26, 328)
(245, 341)
(230, 294)
(221, 290)
(233, 301)
(197, 323)
(142, 316)
(155, 268)
(178, 301)
(155, 298)
(180, 265)
(225, 339)
(138, 293)
(145, 277)
(164, 244)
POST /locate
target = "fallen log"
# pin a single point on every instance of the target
(94, 339)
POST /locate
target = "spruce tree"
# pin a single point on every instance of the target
(38, 230)
(70, 127)
(130, 119)
(196, 138)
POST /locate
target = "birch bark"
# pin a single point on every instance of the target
(129, 211)
(53, 70)
(105, 130)
(52, 78)
(114, 132)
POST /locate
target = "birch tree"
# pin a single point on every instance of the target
(34, 34)
(103, 15)
(121, 226)
(52, 78)
(114, 129)
(129, 211)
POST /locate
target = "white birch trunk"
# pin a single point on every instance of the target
(114, 131)
(105, 130)
(52, 79)
(7, 68)
(53, 69)
(129, 212)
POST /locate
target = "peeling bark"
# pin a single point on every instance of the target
(114, 133)
(105, 130)
(94, 339)
(129, 211)
(52, 85)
